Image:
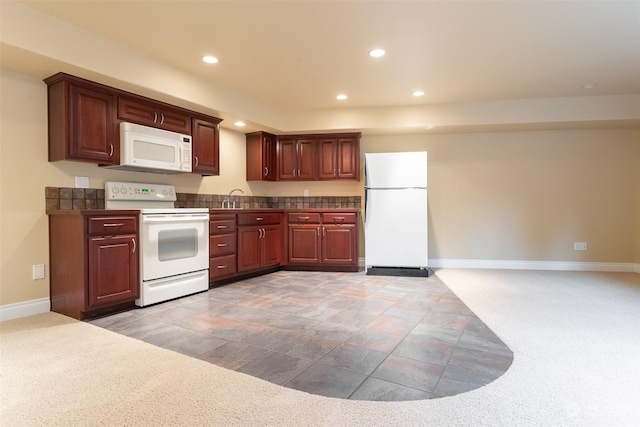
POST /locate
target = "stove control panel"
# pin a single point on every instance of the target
(139, 191)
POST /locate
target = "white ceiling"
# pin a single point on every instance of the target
(298, 55)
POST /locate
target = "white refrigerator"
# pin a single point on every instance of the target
(396, 235)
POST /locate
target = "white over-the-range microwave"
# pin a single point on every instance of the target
(147, 149)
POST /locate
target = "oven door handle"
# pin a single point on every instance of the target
(175, 218)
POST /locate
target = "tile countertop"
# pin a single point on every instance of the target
(212, 210)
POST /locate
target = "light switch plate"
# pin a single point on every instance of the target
(38, 271)
(82, 182)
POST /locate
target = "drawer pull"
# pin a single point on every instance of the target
(120, 224)
(220, 267)
(259, 218)
(220, 227)
(303, 217)
(223, 245)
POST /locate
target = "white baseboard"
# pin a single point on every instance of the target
(534, 265)
(24, 309)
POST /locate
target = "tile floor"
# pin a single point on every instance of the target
(345, 335)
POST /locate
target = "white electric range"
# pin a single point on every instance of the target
(174, 242)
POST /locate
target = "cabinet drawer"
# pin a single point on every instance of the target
(223, 244)
(303, 218)
(258, 218)
(224, 226)
(339, 218)
(222, 266)
(109, 225)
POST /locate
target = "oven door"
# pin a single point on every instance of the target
(173, 244)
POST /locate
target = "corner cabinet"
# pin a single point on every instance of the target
(206, 146)
(322, 240)
(94, 262)
(259, 241)
(261, 156)
(82, 124)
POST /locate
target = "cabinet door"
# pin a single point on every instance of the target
(249, 248)
(304, 244)
(113, 270)
(339, 244)
(261, 156)
(348, 158)
(327, 166)
(269, 157)
(287, 159)
(306, 159)
(206, 147)
(271, 245)
(92, 127)
(174, 120)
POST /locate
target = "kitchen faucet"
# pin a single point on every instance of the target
(228, 199)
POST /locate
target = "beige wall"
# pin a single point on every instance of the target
(530, 195)
(501, 196)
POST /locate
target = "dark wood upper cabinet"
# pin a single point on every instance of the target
(206, 146)
(84, 119)
(338, 158)
(261, 156)
(149, 113)
(296, 159)
(82, 122)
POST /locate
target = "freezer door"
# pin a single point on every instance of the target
(396, 228)
(396, 170)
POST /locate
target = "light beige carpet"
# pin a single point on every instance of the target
(575, 336)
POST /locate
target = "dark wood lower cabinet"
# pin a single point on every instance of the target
(94, 261)
(259, 247)
(113, 270)
(322, 240)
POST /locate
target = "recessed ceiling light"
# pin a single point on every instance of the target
(376, 53)
(418, 93)
(589, 85)
(210, 59)
(341, 97)
(239, 123)
(428, 127)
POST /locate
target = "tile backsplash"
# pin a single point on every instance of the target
(93, 198)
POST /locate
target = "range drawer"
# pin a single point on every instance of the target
(109, 225)
(339, 218)
(222, 266)
(223, 226)
(303, 218)
(223, 244)
(259, 218)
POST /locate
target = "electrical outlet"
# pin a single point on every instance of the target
(305, 192)
(82, 182)
(579, 246)
(38, 271)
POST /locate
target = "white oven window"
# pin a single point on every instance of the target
(177, 244)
